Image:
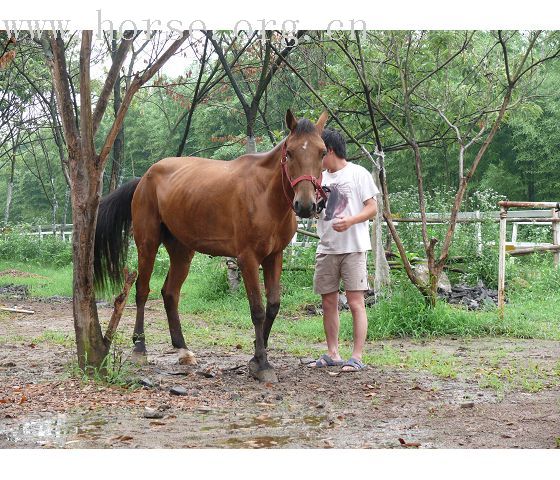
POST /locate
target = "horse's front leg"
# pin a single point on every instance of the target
(259, 367)
(272, 270)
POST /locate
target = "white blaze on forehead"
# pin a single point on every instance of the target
(304, 146)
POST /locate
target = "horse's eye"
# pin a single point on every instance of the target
(324, 153)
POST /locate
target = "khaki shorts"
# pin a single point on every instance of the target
(331, 268)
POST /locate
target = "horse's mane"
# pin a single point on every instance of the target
(304, 126)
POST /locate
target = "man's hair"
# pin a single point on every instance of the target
(334, 140)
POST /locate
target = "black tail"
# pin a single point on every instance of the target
(112, 235)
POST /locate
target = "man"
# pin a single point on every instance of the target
(343, 229)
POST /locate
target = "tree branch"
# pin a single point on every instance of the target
(63, 95)
(131, 91)
(86, 125)
(112, 76)
(120, 303)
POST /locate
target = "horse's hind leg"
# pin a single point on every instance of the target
(180, 258)
(147, 242)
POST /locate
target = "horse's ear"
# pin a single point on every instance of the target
(320, 125)
(291, 121)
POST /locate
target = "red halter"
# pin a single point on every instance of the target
(319, 192)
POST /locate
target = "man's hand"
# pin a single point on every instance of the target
(343, 223)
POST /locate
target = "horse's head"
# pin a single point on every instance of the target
(303, 152)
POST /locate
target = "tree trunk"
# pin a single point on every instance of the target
(251, 145)
(54, 212)
(382, 278)
(118, 146)
(85, 201)
(9, 194)
(118, 157)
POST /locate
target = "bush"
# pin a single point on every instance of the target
(19, 246)
(406, 314)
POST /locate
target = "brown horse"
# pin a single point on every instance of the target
(242, 208)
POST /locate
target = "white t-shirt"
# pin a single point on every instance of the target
(349, 188)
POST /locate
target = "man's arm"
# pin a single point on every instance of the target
(368, 212)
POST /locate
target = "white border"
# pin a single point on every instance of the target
(223, 14)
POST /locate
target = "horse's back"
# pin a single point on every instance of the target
(210, 205)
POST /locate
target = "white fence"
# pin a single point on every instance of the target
(516, 218)
(62, 231)
(307, 228)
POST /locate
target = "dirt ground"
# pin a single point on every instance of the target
(43, 406)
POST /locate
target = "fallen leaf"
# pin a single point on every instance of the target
(23, 399)
(408, 445)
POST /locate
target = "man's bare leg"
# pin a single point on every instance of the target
(359, 318)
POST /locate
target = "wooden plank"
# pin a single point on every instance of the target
(502, 263)
(509, 204)
(527, 251)
(511, 246)
(17, 310)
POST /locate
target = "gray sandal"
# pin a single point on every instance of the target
(325, 361)
(354, 363)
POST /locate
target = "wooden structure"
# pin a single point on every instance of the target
(523, 217)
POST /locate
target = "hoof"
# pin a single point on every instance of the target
(267, 375)
(186, 357)
(139, 358)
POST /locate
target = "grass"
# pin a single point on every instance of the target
(441, 365)
(115, 370)
(54, 337)
(531, 312)
(213, 316)
(49, 281)
(529, 376)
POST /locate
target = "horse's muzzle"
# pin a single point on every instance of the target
(305, 210)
